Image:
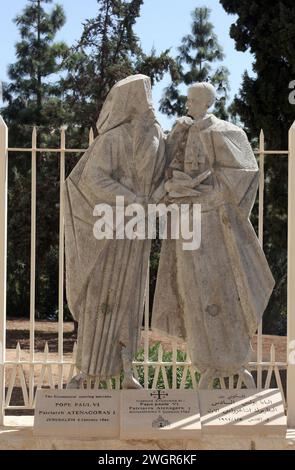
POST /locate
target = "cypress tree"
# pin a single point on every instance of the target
(33, 97)
(198, 52)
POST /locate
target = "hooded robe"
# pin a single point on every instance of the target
(214, 297)
(105, 279)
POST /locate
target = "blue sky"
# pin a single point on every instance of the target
(162, 24)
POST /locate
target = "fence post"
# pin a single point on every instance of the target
(3, 257)
(260, 237)
(291, 280)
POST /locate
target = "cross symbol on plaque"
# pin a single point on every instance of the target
(159, 394)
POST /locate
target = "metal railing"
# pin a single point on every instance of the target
(32, 372)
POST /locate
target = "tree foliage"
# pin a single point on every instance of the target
(33, 98)
(107, 51)
(198, 52)
(31, 95)
(50, 85)
(266, 29)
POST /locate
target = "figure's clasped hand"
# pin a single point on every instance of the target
(183, 185)
(184, 121)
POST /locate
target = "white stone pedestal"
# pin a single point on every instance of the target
(160, 414)
(242, 412)
(77, 413)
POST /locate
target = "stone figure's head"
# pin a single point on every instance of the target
(200, 98)
(128, 99)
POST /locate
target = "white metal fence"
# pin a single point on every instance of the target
(32, 371)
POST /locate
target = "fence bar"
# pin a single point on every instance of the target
(252, 365)
(146, 328)
(57, 150)
(45, 150)
(273, 152)
(3, 258)
(33, 245)
(61, 253)
(91, 136)
(174, 367)
(260, 237)
(291, 280)
(33, 263)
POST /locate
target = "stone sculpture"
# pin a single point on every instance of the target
(105, 279)
(213, 297)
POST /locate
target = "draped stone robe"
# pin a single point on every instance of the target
(106, 278)
(214, 297)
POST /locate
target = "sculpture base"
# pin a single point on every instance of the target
(87, 413)
(242, 412)
(159, 414)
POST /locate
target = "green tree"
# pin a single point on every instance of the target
(107, 51)
(198, 52)
(266, 29)
(33, 97)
